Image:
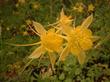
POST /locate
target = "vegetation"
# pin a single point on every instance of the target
(55, 41)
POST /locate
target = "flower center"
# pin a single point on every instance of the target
(51, 41)
(80, 39)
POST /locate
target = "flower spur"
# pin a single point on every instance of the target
(49, 42)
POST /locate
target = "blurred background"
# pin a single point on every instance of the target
(14, 16)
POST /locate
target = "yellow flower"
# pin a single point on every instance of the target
(36, 5)
(79, 40)
(81, 37)
(64, 20)
(50, 41)
(79, 7)
(91, 7)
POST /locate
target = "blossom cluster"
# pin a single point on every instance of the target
(64, 38)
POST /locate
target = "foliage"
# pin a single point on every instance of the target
(14, 18)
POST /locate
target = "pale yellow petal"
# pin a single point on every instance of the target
(65, 22)
(52, 59)
(39, 28)
(81, 58)
(95, 38)
(62, 14)
(37, 52)
(52, 30)
(67, 29)
(64, 53)
(64, 19)
(87, 22)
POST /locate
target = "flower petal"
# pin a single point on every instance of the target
(95, 38)
(52, 30)
(81, 58)
(37, 52)
(39, 28)
(64, 53)
(87, 21)
(52, 59)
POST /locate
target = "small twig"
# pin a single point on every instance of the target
(34, 31)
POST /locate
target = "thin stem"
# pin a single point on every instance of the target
(58, 31)
(64, 37)
(52, 24)
(34, 31)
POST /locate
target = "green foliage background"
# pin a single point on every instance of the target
(13, 16)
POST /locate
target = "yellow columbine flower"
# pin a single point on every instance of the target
(79, 7)
(83, 36)
(36, 5)
(64, 20)
(50, 41)
(90, 7)
(79, 40)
